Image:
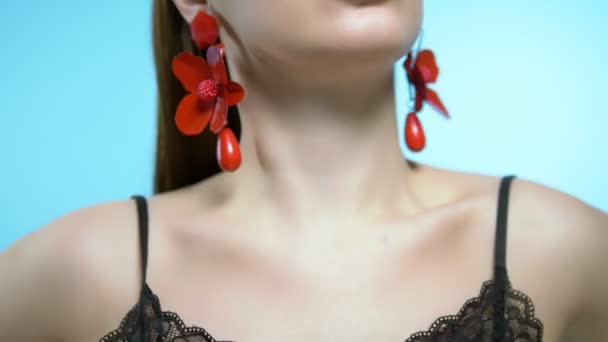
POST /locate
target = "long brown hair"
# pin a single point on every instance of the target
(180, 160)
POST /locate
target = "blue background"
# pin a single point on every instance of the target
(523, 79)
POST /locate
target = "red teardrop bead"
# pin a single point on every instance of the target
(414, 134)
(228, 151)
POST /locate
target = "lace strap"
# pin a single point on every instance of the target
(142, 217)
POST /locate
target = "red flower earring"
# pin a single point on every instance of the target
(210, 91)
(420, 70)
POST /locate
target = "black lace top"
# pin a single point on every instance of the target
(498, 314)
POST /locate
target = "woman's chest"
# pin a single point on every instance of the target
(454, 313)
(384, 286)
(388, 300)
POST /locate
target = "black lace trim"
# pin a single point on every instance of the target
(157, 326)
(475, 322)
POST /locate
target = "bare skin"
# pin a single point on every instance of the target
(324, 233)
(246, 280)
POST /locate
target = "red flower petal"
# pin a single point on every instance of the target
(219, 118)
(425, 63)
(216, 64)
(191, 118)
(190, 70)
(234, 93)
(433, 99)
(228, 152)
(204, 30)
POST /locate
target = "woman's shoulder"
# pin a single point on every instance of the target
(562, 240)
(70, 275)
(556, 248)
(528, 199)
(549, 219)
(559, 222)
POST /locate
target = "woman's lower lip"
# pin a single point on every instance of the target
(364, 2)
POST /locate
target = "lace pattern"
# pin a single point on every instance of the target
(157, 325)
(475, 322)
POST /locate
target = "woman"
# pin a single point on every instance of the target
(323, 232)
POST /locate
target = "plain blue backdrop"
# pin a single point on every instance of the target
(525, 82)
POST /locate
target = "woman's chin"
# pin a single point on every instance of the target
(382, 26)
(383, 47)
(371, 33)
(339, 60)
(346, 42)
(355, 50)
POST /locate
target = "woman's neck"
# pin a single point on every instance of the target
(322, 155)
